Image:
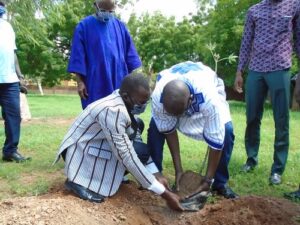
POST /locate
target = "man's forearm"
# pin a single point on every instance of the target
(213, 162)
(79, 77)
(173, 143)
(17, 67)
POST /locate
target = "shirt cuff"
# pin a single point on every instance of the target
(241, 68)
(157, 187)
(151, 167)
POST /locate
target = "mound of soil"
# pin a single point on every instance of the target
(131, 206)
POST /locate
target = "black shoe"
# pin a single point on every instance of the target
(226, 192)
(83, 192)
(275, 179)
(247, 168)
(17, 157)
(295, 196)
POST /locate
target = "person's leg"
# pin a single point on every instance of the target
(279, 85)
(222, 173)
(80, 175)
(142, 151)
(10, 103)
(155, 142)
(256, 92)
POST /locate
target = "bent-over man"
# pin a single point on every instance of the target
(189, 97)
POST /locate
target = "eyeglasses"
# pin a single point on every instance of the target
(138, 103)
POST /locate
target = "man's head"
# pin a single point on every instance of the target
(176, 97)
(108, 5)
(2, 8)
(135, 92)
(105, 9)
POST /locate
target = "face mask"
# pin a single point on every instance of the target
(138, 109)
(189, 112)
(104, 15)
(2, 10)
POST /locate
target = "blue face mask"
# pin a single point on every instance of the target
(104, 16)
(2, 10)
(138, 109)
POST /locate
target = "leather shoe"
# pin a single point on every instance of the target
(83, 192)
(226, 192)
(247, 168)
(295, 196)
(16, 156)
(275, 179)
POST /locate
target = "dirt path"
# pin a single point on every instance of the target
(135, 207)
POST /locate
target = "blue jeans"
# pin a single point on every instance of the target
(156, 142)
(10, 105)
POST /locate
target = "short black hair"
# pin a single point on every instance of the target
(2, 3)
(175, 95)
(132, 82)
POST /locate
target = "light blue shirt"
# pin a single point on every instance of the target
(7, 52)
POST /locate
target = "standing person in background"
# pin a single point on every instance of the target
(102, 53)
(267, 44)
(296, 194)
(10, 76)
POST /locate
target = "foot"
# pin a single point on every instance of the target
(226, 192)
(125, 180)
(295, 196)
(275, 179)
(247, 168)
(83, 192)
(16, 156)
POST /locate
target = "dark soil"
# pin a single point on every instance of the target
(131, 206)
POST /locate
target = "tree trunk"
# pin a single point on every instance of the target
(39, 84)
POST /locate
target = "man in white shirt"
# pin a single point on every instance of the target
(10, 76)
(189, 97)
(98, 149)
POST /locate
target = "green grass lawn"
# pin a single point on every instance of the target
(53, 114)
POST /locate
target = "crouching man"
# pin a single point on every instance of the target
(98, 149)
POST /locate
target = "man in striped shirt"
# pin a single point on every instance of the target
(189, 97)
(98, 150)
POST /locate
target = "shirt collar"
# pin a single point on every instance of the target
(271, 1)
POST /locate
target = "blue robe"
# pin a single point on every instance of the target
(103, 53)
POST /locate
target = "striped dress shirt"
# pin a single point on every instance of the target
(99, 149)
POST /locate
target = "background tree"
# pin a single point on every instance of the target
(161, 42)
(44, 30)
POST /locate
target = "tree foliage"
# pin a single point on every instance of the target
(161, 42)
(44, 42)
